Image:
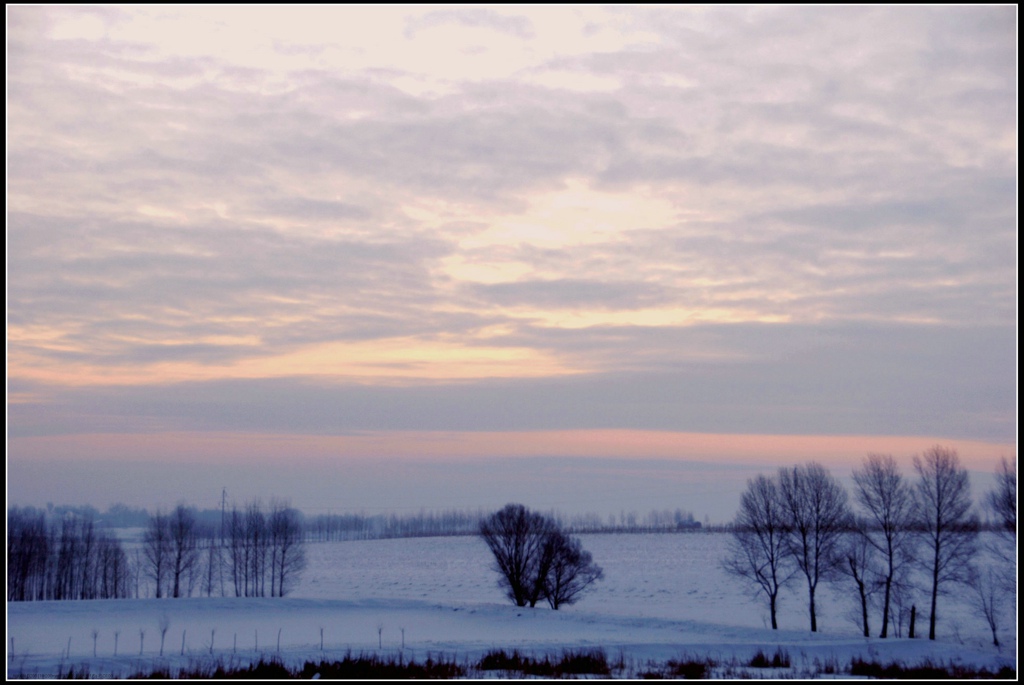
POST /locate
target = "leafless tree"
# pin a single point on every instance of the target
(887, 501)
(516, 536)
(113, 572)
(213, 561)
(256, 539)
(536, 559)
(238, 553)
(996, 585)
(903, 600)
(758, 549)
(1002, 501)
(262, 545)
(156, 547)
(288, 556)
(817, 515)
(987, 588)
(75, 569)
(944, 501)
(163, 624)
(859, 564)
(570, 569)
(182, 527)
(70, 559)
(29, 555)
(248, 550)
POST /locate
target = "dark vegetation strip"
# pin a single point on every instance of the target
(927, 670)
(568, 664)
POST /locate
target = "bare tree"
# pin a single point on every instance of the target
(1001, 502)
(288, 556)
(986, 586)
(263, 547)
(516, 536)
(859, 563)
(944, 500)
(903, 600)
(888, 502)
(536, 559)
(995, 586)
(817, 515)
(72, 559)
(112, 568)
(210, 546)
(156, 547)
(758, 550)
(256, 540)
(238, 553)
(163, 624)
(29, 555)
(570, 571)
(184, 547)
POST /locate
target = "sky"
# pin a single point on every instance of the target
(592, 258)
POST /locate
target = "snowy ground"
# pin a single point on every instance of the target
(664, 596)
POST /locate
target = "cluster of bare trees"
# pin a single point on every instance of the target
(172, 548)
(536, 559)
(69, 559)
(265, 545)
(259, 552)
(991, 585)
(801, 523)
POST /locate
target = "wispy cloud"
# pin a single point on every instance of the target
(700, 219)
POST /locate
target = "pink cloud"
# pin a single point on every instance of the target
(225, 447)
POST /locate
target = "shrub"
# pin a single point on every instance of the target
(778, 660)
(690, 669)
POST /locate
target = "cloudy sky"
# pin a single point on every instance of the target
(582, 257)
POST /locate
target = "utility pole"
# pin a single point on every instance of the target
(220, 559)
(223, 509)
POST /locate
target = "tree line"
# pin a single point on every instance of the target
(352, 526)
(799, 523)
(255, 552)
(68, 559)
(265, 546)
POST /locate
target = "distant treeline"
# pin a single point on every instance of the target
(69, 553)
(362, 526)
(119, 515)
(332, 527)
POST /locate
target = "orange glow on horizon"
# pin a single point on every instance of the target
(770, 450)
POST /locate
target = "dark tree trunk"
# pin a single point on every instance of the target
(935, 599)
(863, 607)
(814, 616)
(885, 608)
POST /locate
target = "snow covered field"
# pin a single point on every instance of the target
(664, 596)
